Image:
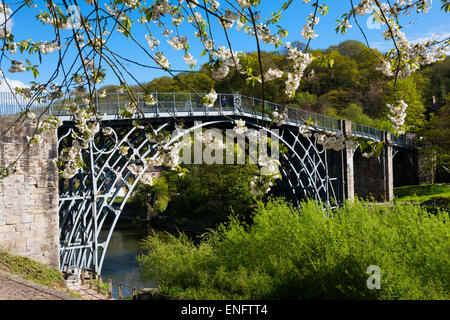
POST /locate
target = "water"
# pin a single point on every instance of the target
(120, 263)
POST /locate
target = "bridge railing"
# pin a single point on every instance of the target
(366, 131)
(294, 114)
(406, 140)
(168, 103)
(14, 104)
(177, 102)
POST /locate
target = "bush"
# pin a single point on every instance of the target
(291, 254)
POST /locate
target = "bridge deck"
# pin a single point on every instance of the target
(183, 105)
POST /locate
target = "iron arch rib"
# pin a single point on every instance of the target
(88, 208)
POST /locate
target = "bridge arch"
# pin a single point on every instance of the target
(88, 199)
(404, 167)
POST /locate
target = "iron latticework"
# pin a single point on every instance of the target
(89, 209)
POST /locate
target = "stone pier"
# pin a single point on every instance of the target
(373, 177)
(29, 221)
(348, 181)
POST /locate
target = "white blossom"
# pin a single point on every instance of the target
(364, 7)
(305, 130)
(17, 66)
(162, 60)
(240, 127)
(178, 43)
(243, 3)
(151, 41)
(210, 98)
(189, 59)
(397, 115)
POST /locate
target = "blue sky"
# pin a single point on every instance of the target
(435, 22)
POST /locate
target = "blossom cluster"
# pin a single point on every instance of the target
(190, 61)
(225, 58)
(269, 169)
(210, 141)
(87, 125)
(161, 60)
(364, 7)
(240, 127)
(330, 140)
(407, 56)
(152, 41)
(137, 170)
(397, 115)
(280, 117)
(49, 47)
(301, 61)
(305, 130)
(271, 75)
(17, 66)
(209, 99)
(128, 110)
(171, 154)
(178, 42)
(308, 29)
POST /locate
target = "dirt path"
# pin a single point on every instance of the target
(15, 288)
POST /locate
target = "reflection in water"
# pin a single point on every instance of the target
(120, 263)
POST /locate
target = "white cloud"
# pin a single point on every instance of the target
(436, 33)
(12, 83)
(383, 46)
(9, 23)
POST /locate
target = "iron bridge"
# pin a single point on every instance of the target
(87, 202)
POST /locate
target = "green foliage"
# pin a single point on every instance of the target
(445, 5)
(437, 84)
(157, 196)
(292, 254)
(30, 270)
(339, 78)
(306, 100)
(422, 192)
(208, 194)
(103, 287)
(415, 113)
(436, 132)
(355, 113)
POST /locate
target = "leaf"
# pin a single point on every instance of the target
(35, 72)
(331, 62)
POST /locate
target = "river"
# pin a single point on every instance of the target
(120, 263)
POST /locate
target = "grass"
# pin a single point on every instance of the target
(104, 286)
(31, 270)
(422, 193)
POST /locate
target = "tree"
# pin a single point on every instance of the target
(438, 81)
(415, 114)
(82, 38)
(208, 194)
(437, 132)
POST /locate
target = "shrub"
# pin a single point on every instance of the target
(301, 254)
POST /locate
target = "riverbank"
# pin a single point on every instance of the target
(22, 278)
(15, 288)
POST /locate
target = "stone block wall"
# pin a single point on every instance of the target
(369, 177)
(29, 221)
(426, 165)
